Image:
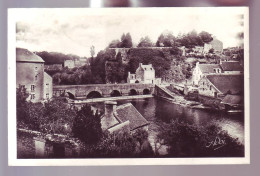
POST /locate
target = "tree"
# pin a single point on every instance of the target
(211, 50)
(185, 140)
(92, 51)
(87, 126)
(126, 41)
(205, 37)
(114, 44)
(166, 39)
(145, 42)
(57, 117)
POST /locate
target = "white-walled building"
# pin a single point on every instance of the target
(144, 74)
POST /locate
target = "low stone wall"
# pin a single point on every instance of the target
(33, 144)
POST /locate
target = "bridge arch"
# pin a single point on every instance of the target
(71, 95)
(146, 92)
(132, 92)
(94, 94)
(115, 93)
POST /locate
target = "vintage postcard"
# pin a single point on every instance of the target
(128, 86)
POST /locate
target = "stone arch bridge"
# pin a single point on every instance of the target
(101, 90)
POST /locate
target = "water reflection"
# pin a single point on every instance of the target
(158, 111)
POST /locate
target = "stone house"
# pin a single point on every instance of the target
(30, 75)
(144, 74)
(204, 69)
(69, 63)
(218, 86)
(225, 67)
(122, 118)
(231, 67)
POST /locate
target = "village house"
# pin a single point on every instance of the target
(225, 67)
(53, 67)
(75, 63)
(122, 118)
(144, 74)
(220, 85)
(30, 75)
(231, 67)
(204, 69)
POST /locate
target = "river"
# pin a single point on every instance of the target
(158, 111)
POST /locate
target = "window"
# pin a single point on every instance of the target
(36, 77)
(47, 95)
(32, 88)
(47, 85)
(209, 87)
(36, 68)
(32, 96)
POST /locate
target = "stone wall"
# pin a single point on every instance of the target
(105, 90)
(29, 74)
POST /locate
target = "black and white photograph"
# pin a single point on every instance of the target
(128, 86)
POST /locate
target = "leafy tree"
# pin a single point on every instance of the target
(87, 126)
(121, 144)
(145, 42)
(211, 50)
(205, 37)
(185, 140)
(114, 44)
(126, 41)
(92, 51)
(57, 117)
(166, 39)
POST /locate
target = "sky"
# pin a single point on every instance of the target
(74, 31)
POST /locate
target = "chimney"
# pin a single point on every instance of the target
(140, 64)
(109, 119)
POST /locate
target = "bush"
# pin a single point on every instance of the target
(185, 140)
(122, 144)
(87, 126)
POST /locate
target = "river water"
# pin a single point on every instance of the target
(158, 112)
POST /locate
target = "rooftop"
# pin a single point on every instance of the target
(127, 112)
(231, 66)
(208, 68)
(146, 67)
(24, 55)
(232, 84)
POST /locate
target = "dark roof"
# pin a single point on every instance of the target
(129, 112)
(147, 67)
(225, 83)
(208, 68)
(233, 100)
(24, 55)
(231, 66)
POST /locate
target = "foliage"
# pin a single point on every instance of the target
(57, 58)
(87, 126)
(51, 117)
(185, 140)
(121, 144)
(126, 42)
(166, 39)
(211, 50)
(57, 117)
(145, 42)
(92, 51)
